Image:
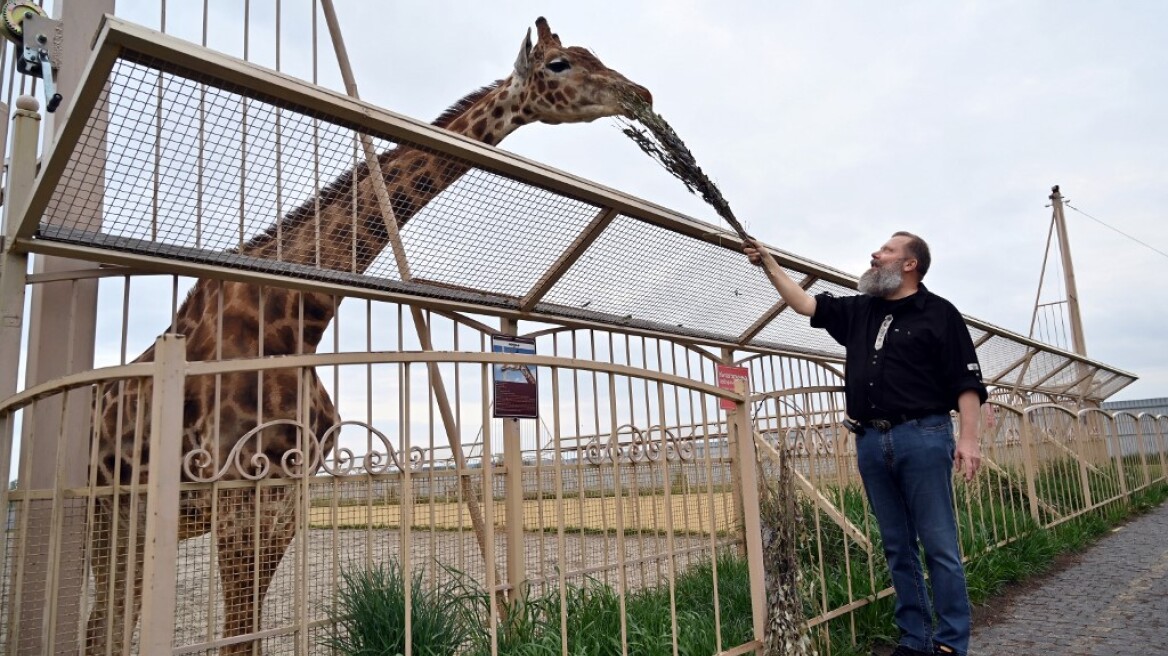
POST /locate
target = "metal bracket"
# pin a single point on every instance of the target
(40, 53)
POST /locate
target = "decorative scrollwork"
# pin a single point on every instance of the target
(258, 465)
(343, 462)
(312, 454)
(679, 448)
(641, 446)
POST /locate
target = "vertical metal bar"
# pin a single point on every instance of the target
(746, 461)
(56, 535)
(488, 515)
(561, 550)
(618, 498)
(1029, 466)
(377, 182)
(406, 511)
(162, 500)
(311, 445)
(14, 266)
(513, 499)
(1109, 425)
(17, 588)
(1078, 343)
(671, 546)
(1162, 448)
(13, 274)
(711, 509)
(736, 519)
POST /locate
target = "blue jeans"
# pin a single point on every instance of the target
(908, 475)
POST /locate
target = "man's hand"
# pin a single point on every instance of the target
(967, 460)
(793, 294)
(753, 252)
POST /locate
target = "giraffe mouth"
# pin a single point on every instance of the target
(643, 94)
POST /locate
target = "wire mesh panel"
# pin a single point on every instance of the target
(640, 271)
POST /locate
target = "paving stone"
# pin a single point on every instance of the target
(1113, 602)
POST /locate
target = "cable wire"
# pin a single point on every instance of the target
(1144, 244)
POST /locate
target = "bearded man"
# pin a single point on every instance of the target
(910, 362)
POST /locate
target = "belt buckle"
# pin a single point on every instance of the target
(882, 425)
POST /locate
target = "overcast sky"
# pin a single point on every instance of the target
(830, 125)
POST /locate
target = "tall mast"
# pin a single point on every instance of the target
(1077, 342)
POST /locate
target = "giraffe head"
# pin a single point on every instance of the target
(557, 84)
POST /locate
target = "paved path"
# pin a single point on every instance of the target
(1113, 602)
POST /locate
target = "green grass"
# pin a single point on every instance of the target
(371, 613)
(370, 616)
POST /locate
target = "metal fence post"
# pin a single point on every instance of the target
(1029, 466)
(746, 461)
(162, 496)
(513, 496)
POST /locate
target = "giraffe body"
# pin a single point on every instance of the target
(341, 229)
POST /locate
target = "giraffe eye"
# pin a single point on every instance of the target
(559, 65)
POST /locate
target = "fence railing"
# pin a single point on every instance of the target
(193, 535)
(1042, 465)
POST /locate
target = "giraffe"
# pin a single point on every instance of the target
(343, 229)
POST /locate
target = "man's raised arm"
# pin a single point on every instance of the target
(793, 294)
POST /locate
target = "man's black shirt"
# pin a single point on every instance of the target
(905, 358)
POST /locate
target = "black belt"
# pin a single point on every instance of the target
(884, 424)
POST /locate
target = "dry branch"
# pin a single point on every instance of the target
(660, 142)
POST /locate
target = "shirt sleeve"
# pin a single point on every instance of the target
(962, 370)
(834, 315)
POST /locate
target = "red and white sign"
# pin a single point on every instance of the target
(733, 379)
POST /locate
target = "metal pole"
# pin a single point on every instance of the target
(14, 265)
(13, 274)
(62, 321)
(1077, 342)
(513, 464)
(420, 324)
(746, 466)
(160, 558)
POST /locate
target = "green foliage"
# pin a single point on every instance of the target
(370, 618)
(593, 616)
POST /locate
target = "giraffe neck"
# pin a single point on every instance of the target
(343, 229)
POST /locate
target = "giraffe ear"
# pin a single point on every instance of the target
(523, 61)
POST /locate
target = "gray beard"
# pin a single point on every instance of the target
(881, 282)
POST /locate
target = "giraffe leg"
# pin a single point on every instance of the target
(118, 594)
(253, 532)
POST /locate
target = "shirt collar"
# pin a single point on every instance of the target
(917, 299)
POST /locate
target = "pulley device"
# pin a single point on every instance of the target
(38, 44)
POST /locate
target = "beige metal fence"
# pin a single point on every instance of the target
(632, 480)
(1043, 465)
(299, 443)
(244, 546)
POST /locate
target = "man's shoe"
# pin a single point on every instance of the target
(901, 650)
(944, 650)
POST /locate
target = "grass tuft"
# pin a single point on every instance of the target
(370, 617)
